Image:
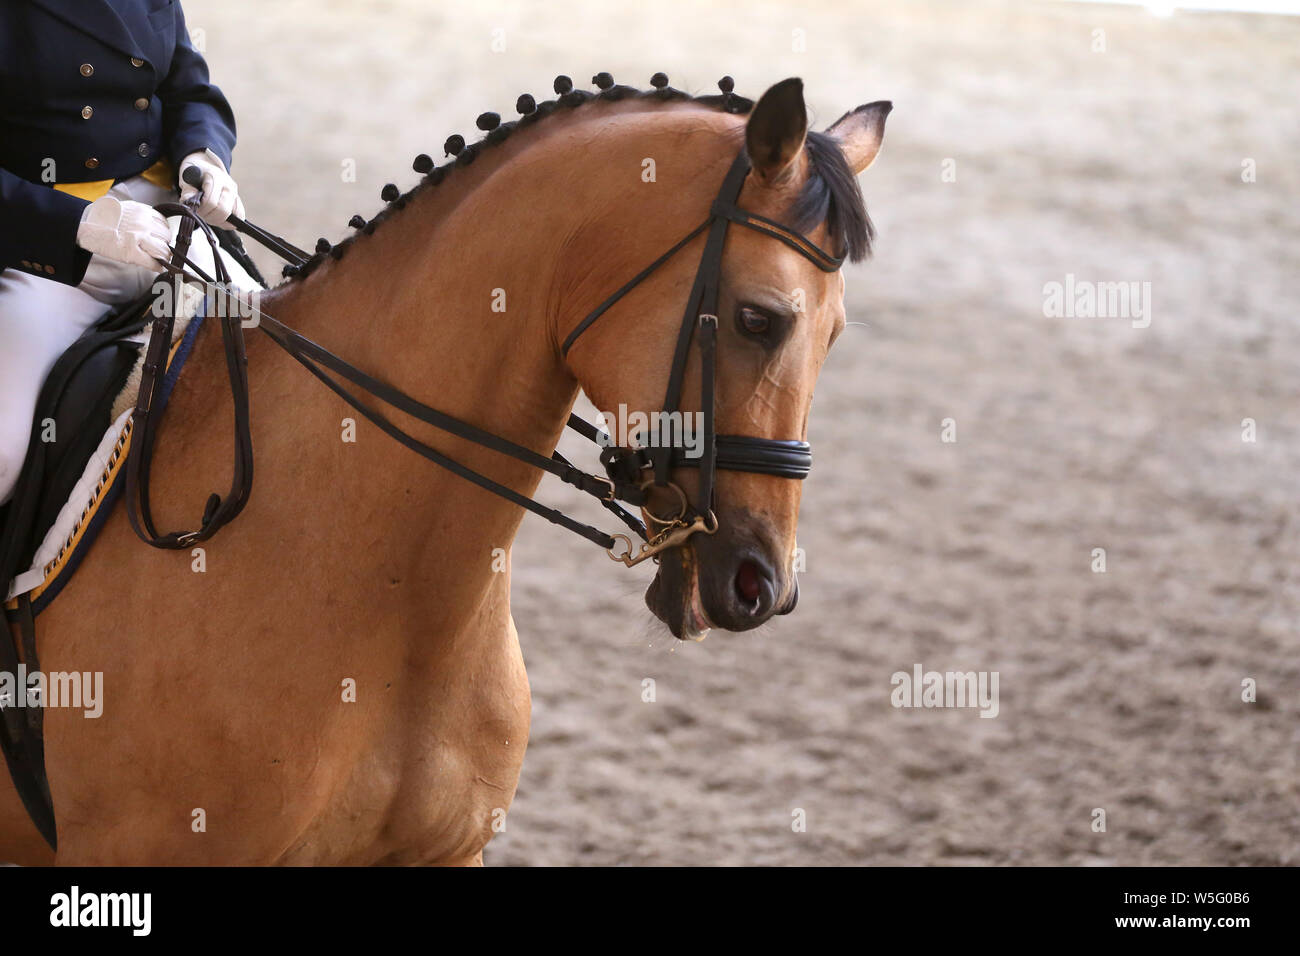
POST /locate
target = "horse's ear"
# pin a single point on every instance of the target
(776, 130)
(860, 132)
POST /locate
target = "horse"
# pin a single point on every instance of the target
(336, 678)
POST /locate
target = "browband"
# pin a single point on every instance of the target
(770, 227)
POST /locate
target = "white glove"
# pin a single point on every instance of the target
(220, 194)
(125, 231)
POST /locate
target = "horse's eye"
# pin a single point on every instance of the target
(752, 321)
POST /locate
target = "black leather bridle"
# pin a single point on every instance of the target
(632, 473)
(785, 458)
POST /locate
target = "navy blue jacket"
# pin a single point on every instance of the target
(92, 90)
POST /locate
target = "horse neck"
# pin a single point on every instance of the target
(412, 305)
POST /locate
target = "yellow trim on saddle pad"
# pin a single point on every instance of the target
(116, 460)
(160, 174)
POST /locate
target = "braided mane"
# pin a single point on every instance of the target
(830, 195)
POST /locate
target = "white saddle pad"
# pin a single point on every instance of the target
(63, 536)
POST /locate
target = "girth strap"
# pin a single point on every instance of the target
(21, 727)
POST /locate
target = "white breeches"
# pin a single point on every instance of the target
(40, 319)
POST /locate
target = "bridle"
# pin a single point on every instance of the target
(633, 474)
(785, 458)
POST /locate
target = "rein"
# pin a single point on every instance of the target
(626, 467)
(144, 420)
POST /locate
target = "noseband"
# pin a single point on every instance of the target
(632, 474)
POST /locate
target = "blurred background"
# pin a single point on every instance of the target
(1018, 152)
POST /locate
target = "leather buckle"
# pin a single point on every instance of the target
(608, 496)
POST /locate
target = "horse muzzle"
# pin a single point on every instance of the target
(728, 579)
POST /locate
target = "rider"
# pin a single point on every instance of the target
(103, 105)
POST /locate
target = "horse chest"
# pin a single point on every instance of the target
(451, 772)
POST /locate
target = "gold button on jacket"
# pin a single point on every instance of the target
(85, 83)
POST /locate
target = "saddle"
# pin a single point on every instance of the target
(65, 481)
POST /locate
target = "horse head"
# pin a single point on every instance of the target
(779, 304)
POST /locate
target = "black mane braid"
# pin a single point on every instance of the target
(830, 195)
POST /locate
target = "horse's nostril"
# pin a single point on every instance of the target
(749, 583)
